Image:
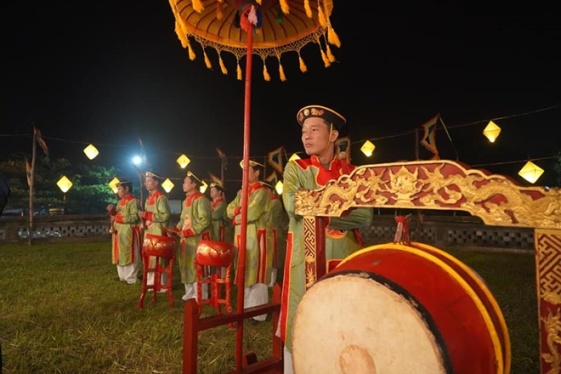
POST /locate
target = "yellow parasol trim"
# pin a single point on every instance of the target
(303, 67)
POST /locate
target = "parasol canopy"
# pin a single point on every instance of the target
(281, 28)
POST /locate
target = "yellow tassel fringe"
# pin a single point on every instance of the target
(284, 6)
(332, 37)
(239, 72)
(308, 9)
(207, 61)
(281, 73)
(303, 67)
(192, 55)
(222, 66)
(198, 6)
(266, 75)
(321, 17)
(326, 62)
(330, 55)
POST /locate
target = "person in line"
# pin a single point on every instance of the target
(320, 128)
(155, 217)
(275, 231)
(193, 225)
(126, 235)
(221, 227)
(257, 275)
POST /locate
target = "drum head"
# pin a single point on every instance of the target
(370, 326)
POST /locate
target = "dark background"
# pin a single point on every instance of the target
(111, 72)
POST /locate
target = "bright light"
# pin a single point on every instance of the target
(367, 148)
(137, 160)
(278, 187)
(203, 187)
(113, 184)
(91, 151)
(183, 161)
(492, 131)
(167, 185)
(64, 184)
(531, 172)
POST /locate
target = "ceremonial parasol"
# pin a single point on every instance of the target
(271, 29)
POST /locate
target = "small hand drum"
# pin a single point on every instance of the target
(214, 253)
(158, 245)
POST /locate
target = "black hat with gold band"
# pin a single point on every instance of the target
(320, 111)
(153, 176)
(216, 185)
(124, 183)
(193, 176)
(253, 164)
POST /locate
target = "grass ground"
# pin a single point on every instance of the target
(63, 310)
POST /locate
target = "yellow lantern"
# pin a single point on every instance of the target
(367, 148)
(278, 187)
(492, 131)
(203, 187)
(294, 157)
(113, 184)
(531, 172)
(167, 185)
(64, 184)
(91, 151)
(183, 161)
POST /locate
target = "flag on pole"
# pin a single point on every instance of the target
(223, 157)
(429, 140)
(28, 172)
(40, 140)
(274, 158)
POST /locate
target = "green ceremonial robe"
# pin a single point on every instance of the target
(156, 219)
(221, 227)
(342, 236)
(194, 225)
(126, 236)
(256, 270)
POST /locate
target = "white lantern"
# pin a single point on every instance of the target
(183, 161)
(167, 185)
(91, 151)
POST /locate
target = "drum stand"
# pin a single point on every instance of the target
(158, 269)
(216, 277)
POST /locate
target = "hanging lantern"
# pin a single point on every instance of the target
(91, 151)
(531, 172)
(294, 157)
(203, 187)
(183, 161)
(167, 185)
(278, 187)
(113, 184)
(492, 131)
(367, 148)
(64, 184)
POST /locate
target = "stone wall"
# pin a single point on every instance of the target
(440, 231)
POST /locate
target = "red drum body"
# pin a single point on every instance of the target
(214, 253)
(158, 245)
(395, 308)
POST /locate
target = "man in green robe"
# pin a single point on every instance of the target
(276, 217)
(155, 217)
(320, 130)
(126, 236)
(221, 227)
(257, 274)
(193, 225)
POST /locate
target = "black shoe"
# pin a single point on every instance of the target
(254, 322)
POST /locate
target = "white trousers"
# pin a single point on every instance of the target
(191, 291)
(257, 294)
(163, 280)
(287, 360)
(128, 273)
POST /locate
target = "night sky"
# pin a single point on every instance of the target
(111, 72)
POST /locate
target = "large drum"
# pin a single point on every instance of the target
(159, 245)
(395, 308)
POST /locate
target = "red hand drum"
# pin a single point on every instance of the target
(214, 253)
(158, 245)
(395, 308)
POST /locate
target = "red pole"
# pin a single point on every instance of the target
(243, 226)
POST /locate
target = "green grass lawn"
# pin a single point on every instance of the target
(63, 310)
